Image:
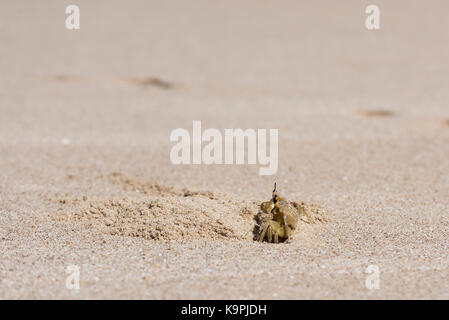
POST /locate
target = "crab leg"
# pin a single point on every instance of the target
(262, 234)
(270, 235)
(286, 228)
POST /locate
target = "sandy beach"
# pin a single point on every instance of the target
(86, 179)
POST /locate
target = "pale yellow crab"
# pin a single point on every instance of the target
(284, 221)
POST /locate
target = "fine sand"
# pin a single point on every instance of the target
(86, 178)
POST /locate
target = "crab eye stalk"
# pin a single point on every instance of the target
(274, 194)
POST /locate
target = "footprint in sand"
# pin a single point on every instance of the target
(374, 113)
(151, 82)
(143, 82)
(68, 78)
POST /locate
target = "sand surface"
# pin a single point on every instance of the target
(86, 178)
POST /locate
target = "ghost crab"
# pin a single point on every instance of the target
(284, 220)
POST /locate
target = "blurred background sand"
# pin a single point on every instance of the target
(363, 119)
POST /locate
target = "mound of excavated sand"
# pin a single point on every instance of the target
(167, 218)
(163, 213)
